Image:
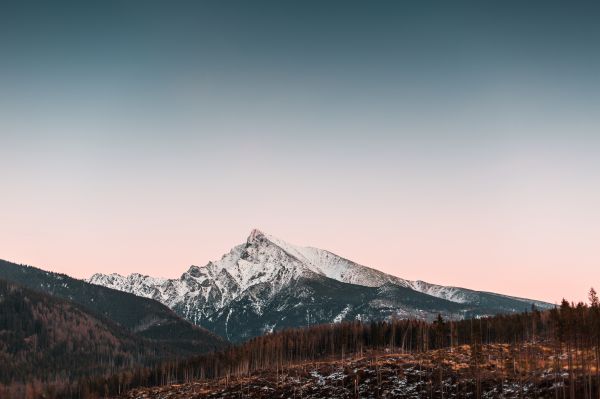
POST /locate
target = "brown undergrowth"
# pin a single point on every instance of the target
(529, 370)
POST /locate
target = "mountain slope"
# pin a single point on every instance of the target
(142, 316)
(45, 340)
(267, 284)
(318, 300)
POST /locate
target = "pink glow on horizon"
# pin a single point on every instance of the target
(518, 224)
(537, 268)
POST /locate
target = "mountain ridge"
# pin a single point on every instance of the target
(256, 276)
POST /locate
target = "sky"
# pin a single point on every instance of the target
(452, 142)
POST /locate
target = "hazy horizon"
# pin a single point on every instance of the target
(452, 143)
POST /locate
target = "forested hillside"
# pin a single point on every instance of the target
(54, 345)
(142, 316)
(48, 344)
(555, 352)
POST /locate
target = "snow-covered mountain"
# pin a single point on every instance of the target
(266, 283)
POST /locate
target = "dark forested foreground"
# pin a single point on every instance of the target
(550, 354)
(536, 354)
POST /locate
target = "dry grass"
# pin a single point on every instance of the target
(499, 370)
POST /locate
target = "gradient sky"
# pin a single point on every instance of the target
(453, 142)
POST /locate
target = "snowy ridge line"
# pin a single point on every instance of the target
(244, 274)
(252, 275)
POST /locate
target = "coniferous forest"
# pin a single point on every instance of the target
(554, 353)
(50, 348)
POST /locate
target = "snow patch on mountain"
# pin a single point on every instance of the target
(454, 294)
(342, 316)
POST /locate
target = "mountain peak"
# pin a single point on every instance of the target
(254, 234)
(257, 281)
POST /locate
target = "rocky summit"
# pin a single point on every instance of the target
(267, 284)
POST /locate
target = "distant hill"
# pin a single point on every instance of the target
(144, 317)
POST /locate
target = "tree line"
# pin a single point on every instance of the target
(572, 331)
